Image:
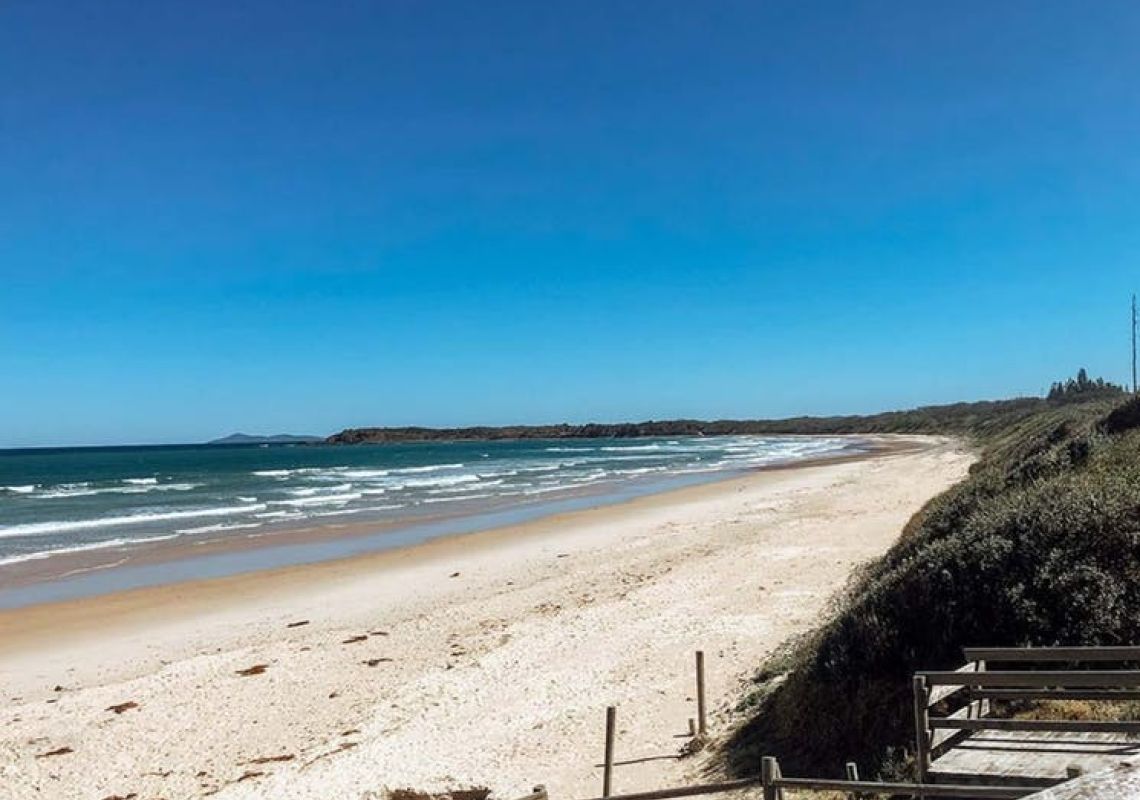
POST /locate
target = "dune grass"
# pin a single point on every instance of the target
(1040, 545)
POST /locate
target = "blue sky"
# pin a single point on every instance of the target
(286, 216)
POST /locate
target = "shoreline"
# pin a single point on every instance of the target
(482, 659)
(96, 573)
(72, 616)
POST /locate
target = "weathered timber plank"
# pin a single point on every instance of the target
(1056, 694)
(1043, 654)
(1029, 758)
(1035, 725)
(1121, 782)
(926, 789)
(1121, 678)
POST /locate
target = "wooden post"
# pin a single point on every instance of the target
(769, 777)
(692, 727)
(767, 774)
(540, 792)
(984, 703)
(851, 772)
(981, 707)
(608, 765)
(921, 727)
(1073, 771)
(702, 723)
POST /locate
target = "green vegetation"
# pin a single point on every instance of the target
(969, 419)
(1082, 388)
(1040, 545)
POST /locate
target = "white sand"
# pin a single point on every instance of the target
(499, 676)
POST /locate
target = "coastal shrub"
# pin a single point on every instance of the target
(1040, 545)
(471, 793)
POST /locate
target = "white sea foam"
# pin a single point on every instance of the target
(141, 481)
(61, 526)
(591, 477)
(456, 498)
(363, 474)
(82, 548)
(544, 489)
(443, 480)
(65, 491)
(430, 468)
(639, 471)
(463, 486)
(320, 500)
(56, 494)
(507, 473)
(165, 487)
(311, 491)
(221, 527)
(340, 512)
(28, 489)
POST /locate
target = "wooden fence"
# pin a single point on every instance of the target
(773, 783)
(948, 705)
(969, 690)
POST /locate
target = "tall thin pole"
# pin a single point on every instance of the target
(1133, 344)
(608, 764)
(702, 724)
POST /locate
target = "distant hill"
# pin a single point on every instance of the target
(280, 438)
(957, 418)
(977, 420)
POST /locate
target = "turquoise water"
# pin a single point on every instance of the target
(76, 500)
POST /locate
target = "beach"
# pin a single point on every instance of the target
(485, 659)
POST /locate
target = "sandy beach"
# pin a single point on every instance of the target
(479, 660)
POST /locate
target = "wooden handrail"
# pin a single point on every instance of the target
(1125, 678)
(942, 693)
(1054, 694)
(1043, 654)
(774, 783)
(1047, 725)
(980, 792)
(918, 789)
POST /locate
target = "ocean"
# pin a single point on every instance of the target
(60, 501)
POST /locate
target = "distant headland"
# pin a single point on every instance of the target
(280, 438)
(952, 418)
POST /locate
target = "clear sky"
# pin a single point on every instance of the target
(295, 216)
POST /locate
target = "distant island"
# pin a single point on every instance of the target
(280, 438)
